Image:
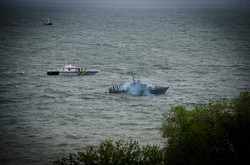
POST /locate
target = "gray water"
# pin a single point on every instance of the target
(200, 52)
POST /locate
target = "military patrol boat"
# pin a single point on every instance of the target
(137, 88)
(70, 70)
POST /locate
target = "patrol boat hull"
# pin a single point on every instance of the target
(141, 91)
(58, 73)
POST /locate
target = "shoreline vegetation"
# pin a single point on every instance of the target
(212, 134)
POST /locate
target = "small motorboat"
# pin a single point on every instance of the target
(137, 88)
(47, 22)
(70, 70)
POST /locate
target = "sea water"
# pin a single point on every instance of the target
(199, 52)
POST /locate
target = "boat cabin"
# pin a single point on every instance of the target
(71, 68)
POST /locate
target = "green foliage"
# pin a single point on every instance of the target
(116, 153)
(214, 135)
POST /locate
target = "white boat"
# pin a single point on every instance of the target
(70, 70)
(47, 22)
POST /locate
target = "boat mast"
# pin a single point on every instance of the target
(133, 77)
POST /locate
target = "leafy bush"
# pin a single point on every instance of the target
(116, 153)
(214, 135)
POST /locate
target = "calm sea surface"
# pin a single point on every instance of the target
(200, 52)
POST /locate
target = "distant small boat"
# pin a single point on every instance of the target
(70, 70)
(47, 22)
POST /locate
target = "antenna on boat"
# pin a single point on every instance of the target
(133, 77)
